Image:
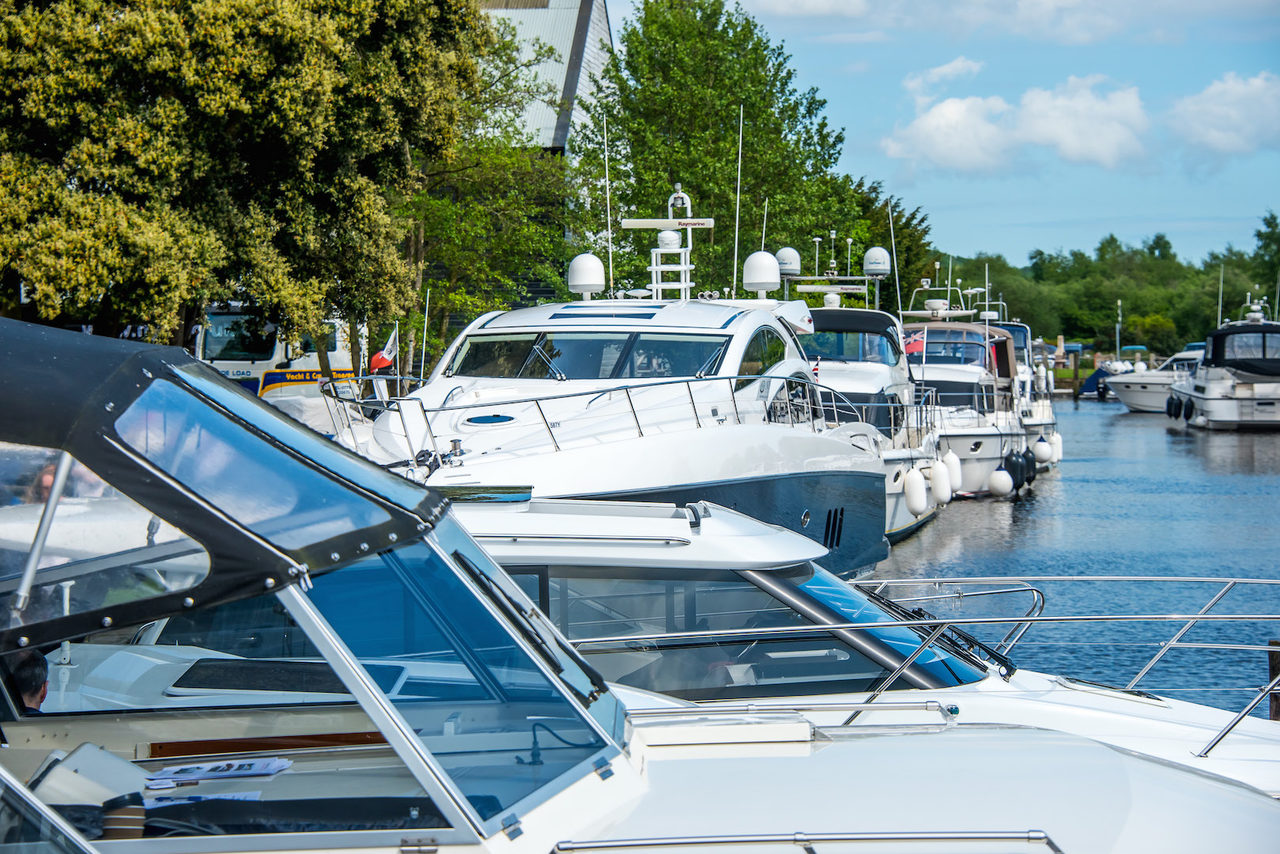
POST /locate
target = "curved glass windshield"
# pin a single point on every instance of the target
(587, 355)
(605, 602)
(945, 347)
(851, 347)
(272, 494)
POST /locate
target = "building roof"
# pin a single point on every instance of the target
(579, 32)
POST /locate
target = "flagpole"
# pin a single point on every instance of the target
(425, 308)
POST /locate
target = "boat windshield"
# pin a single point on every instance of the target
(609, 602)
(1252, 345)
(945, 347)
(236, 338)
(586, 355)
(274, 495)
(248, 682)
(852, 347)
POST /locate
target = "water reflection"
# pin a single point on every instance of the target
(1135, 496)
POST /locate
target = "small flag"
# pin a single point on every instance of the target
(386, 357)
(914, 342)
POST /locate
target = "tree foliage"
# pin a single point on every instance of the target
(158, 155)
(489, 215)
(670, 101)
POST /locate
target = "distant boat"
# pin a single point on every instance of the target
(1148, 390)
(1236, 385)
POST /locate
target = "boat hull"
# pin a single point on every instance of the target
(1141, 392)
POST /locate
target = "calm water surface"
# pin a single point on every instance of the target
(1135, 495)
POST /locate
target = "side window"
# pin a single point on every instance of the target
(765, 350)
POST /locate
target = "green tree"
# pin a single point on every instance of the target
(157, 155)
(1266, 257)
(670, 97)
(488, 218)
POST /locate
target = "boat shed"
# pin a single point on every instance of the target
(579, 32)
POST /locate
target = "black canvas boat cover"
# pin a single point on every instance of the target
(94, 397)
(851, 320)
(1224, 348)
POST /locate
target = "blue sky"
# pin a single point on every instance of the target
(1049, 124)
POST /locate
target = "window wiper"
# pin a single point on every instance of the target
(711, 360)
(530, 626)
(955, 639)
(547, 360)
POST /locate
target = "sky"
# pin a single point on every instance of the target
(1019, 125)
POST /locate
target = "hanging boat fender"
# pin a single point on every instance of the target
(1169, 403)
(1042, 450)
(1029, 465)
(1000, 482)
(1013, 465)
(916, 493)
(1057, 448)
(940, 482)
(952, 461)
(1188, 408)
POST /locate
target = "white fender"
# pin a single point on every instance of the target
(940, 482)
(1043, 450)
(952, 461)
(1057, 447)
(1000, 483)
(914, 491)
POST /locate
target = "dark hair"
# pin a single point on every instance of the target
(29, 671)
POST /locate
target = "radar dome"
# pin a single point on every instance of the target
(876, 262)
(788, 261)
(761, 272)
(586, 274)
(668, 240)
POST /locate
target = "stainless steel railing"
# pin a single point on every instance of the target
(788, 400)
(807, 842)
(935, 627)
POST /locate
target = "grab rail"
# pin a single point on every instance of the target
(793, 401)
(938, 626)
(806, 841)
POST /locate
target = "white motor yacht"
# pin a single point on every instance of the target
(968, 369)
(1142, 390)
(1236, 386)
(301, 652)
(1033, 394)
(679, 400)
(858, 360)
(705, 605)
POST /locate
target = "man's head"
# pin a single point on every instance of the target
(30, 673)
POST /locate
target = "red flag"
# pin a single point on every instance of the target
(914, 342)
(386, 357)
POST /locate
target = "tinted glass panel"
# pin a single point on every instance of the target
(102, 549)
(851, 347)
(662, 355)
(269, 492)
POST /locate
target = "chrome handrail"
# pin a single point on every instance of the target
(806, 841)
(347, 407)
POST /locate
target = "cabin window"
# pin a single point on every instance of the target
(587, 602)
(853, 347)
(765, 349)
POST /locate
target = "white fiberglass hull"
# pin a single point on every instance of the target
(1143, 391)
(1218, 400)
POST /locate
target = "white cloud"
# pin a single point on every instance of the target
(964, 134)
(1081, 125)
(922, 84)
(1233, 115)
(1075, 120)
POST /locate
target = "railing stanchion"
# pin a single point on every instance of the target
(547, 424)
(1178, 636)
(697, 421)
(634, 415)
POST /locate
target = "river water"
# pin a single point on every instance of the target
(1135, 495)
